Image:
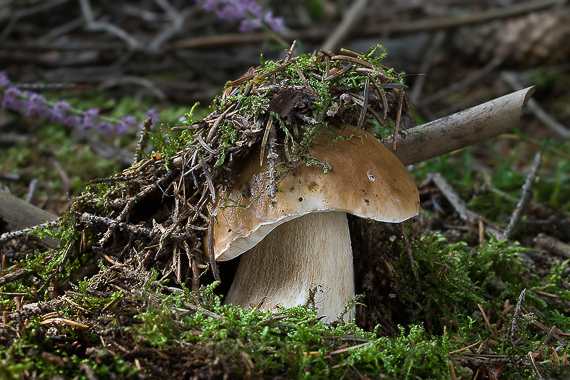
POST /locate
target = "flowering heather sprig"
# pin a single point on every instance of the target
(32, 104)
(59, 112)
(127, 123)
(36, 106)
(248, 11)
(11, 100)
(89, 119)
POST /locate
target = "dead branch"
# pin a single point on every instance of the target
(463, 83)
(461, 129)
(511, 79)
(553, 245)
(459, 204)
(514, 327)
(427, 61)
(16, 275)
(349, 21)
(21, 214)
(93, 25)
(525, 197)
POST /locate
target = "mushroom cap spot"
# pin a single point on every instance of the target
(391, 197)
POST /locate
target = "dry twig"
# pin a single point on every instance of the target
(525, 196)
(512, 80)
(349, 21)
(459, 204)
(514, 327)
(552, 245)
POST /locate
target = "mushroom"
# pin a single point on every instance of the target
(298, 248)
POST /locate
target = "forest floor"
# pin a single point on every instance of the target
(447, 295)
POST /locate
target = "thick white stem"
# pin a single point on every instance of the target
(308, 254)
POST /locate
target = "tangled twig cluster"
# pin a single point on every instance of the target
(160, 209)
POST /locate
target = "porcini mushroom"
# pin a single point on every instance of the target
(299, 246)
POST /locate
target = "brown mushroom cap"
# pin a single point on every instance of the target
(366, 180)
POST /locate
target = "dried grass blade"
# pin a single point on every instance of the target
(274, 71)
(338, 73)
(290, 53)
(245, 93)
(350, 52)
(398, 117)
(201, 141)
(242, 79)
(352, 60)
(264, 141)
(305, 82)
(364, 103)
(210, 183)
(217, 123)
(212, 257)
(382, 96)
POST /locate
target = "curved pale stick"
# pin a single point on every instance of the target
(461, 129)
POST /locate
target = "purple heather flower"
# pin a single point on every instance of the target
(59, 112)
(62, 106)
(11, 99)
(153, 116)
(127, 123)
(248, 11)
(248, 25)
(89, 119)
(44, 112)
(4, 81)
(239, 9)
(211, 5)
(104, 128)
(56, 117)
(277, 24)
(35, 106)
(72, 121)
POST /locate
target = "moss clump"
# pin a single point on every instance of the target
(291, 342)
(156, 211)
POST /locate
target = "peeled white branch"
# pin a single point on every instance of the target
(461, 129)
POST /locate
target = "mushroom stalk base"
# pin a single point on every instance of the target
(307, 258)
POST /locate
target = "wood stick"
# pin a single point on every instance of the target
(461, 129)
(552, 245)
(525, 197)
(20, 214)
(512, 80)
(349, 22)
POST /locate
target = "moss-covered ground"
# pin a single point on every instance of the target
(437, 299)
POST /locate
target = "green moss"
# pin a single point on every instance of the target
(294, 342)
(35, 353)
